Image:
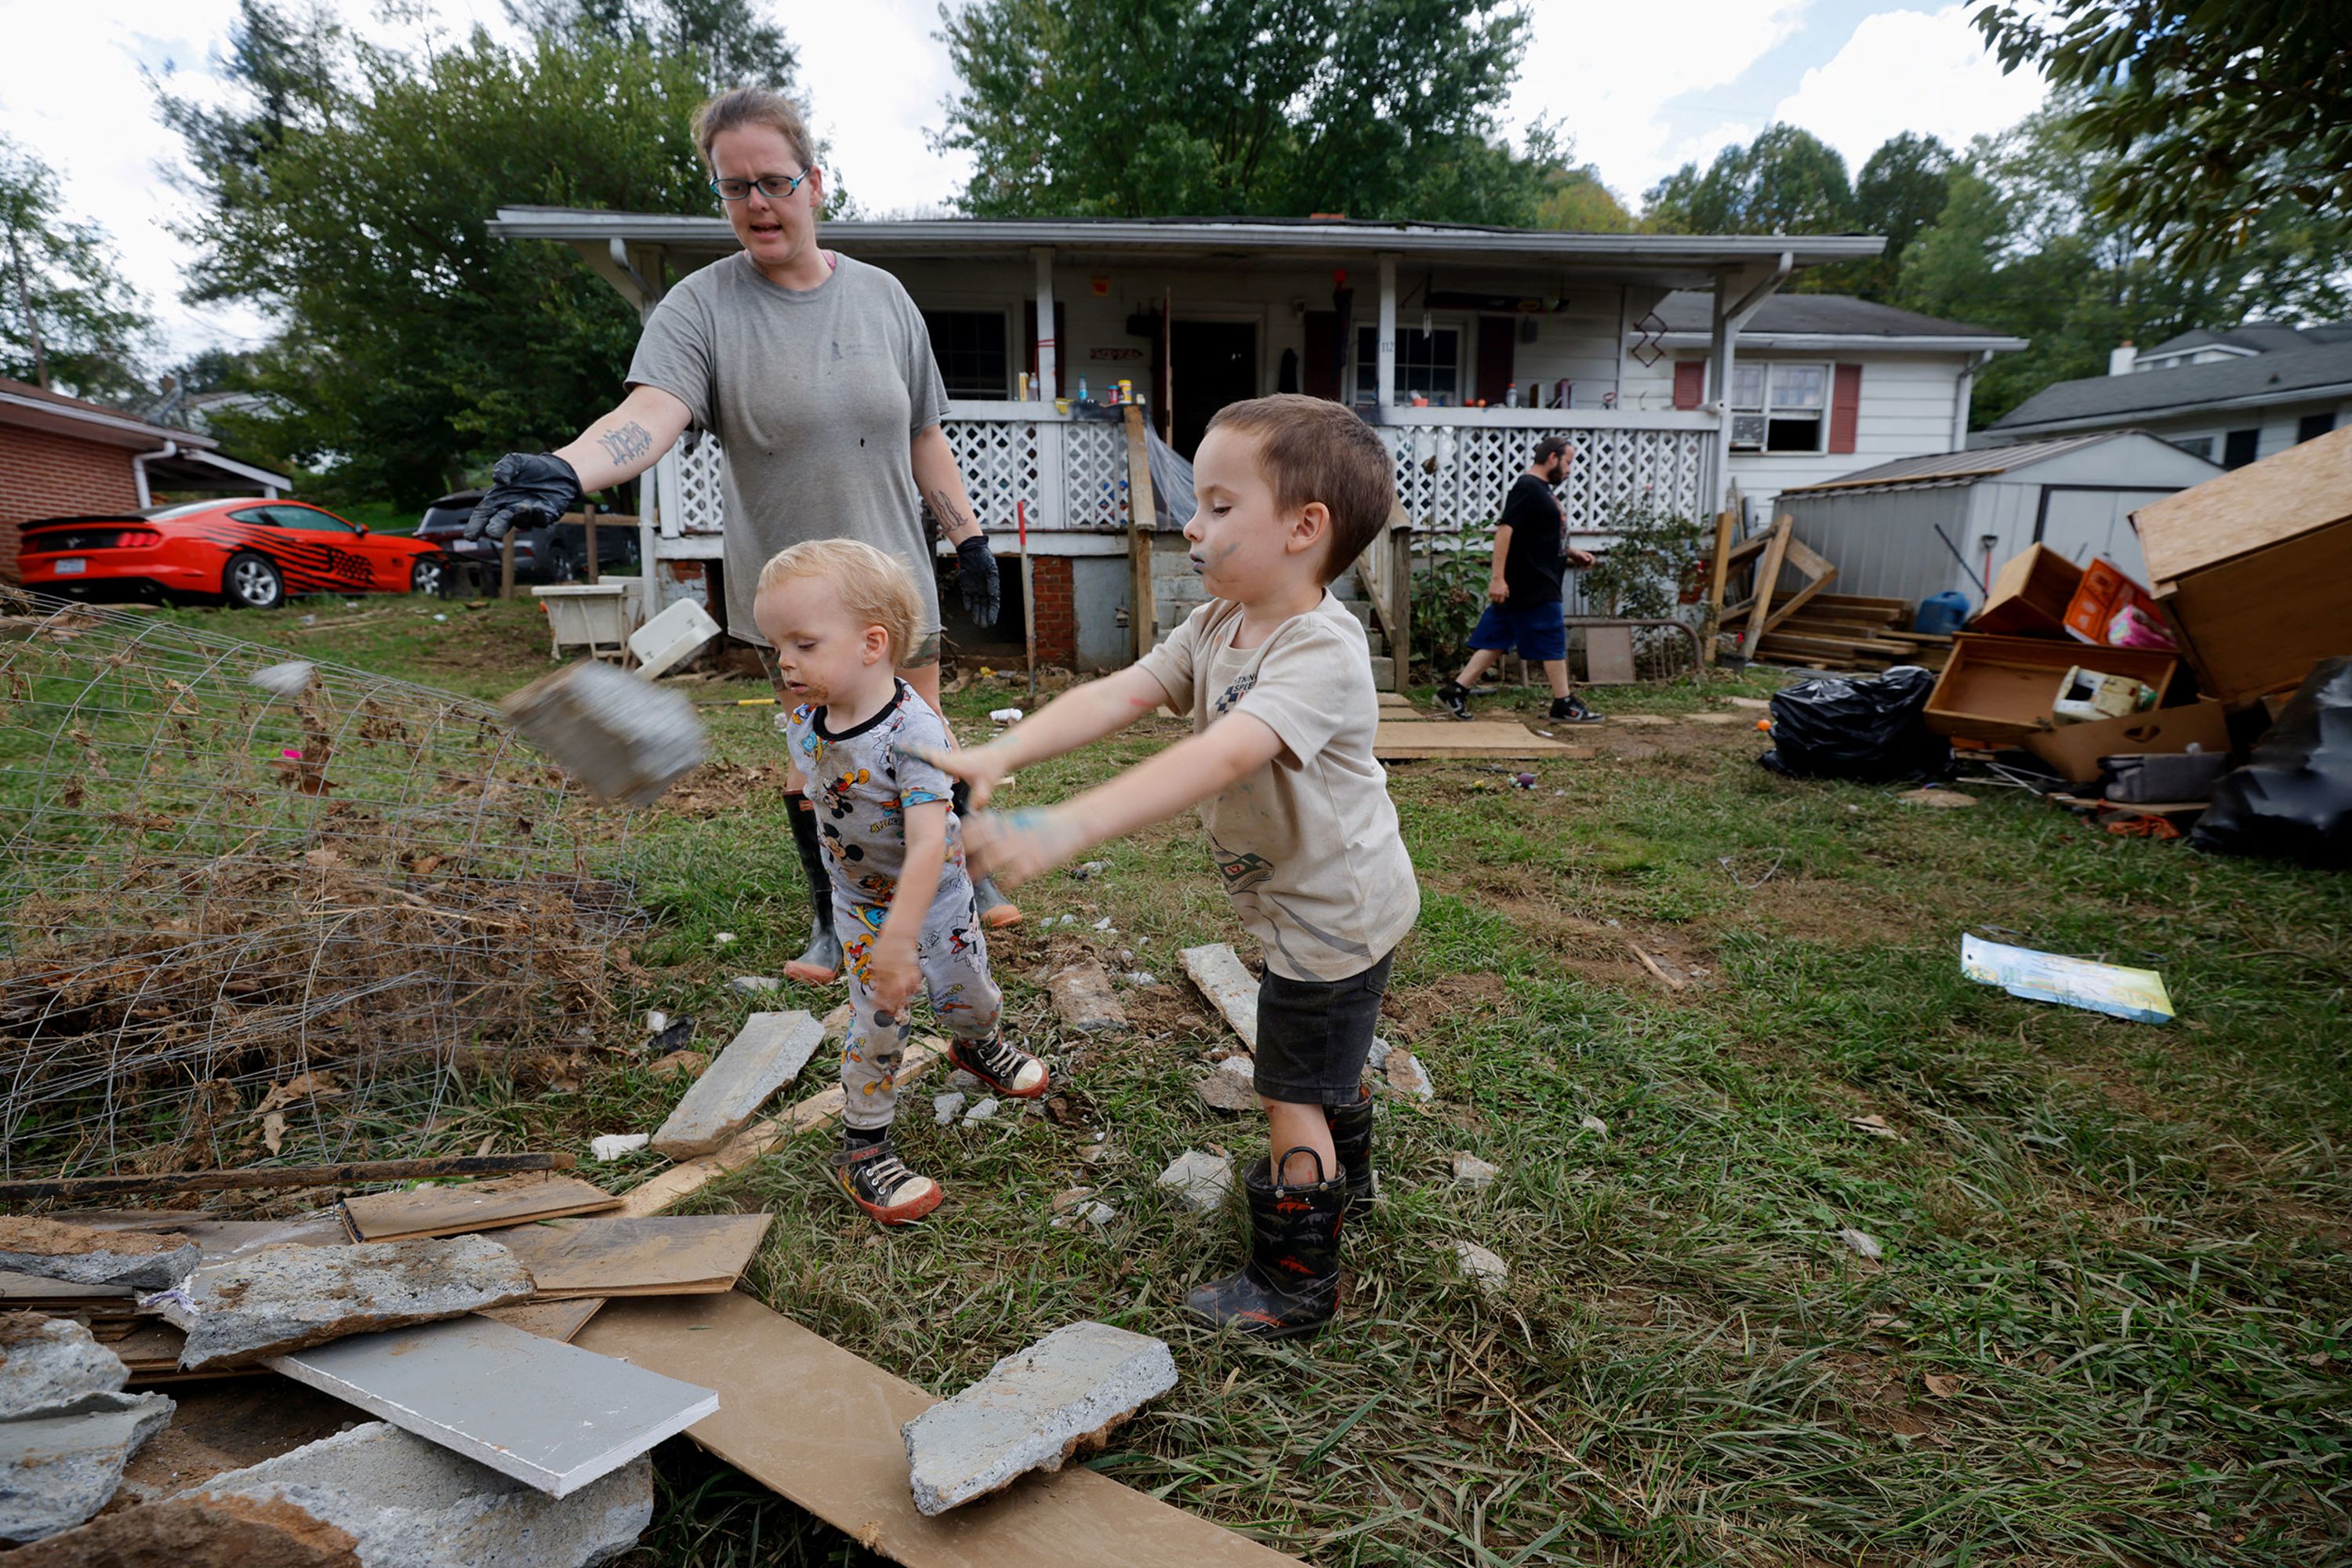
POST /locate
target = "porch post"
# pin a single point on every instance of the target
(1726, 333)
(1049, 352)
(1388, 331)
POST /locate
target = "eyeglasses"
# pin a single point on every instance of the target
(775, 187)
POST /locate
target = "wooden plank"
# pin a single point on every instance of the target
(1401, 740)
(1608, 655)
(352, 1175)
(1724, 522)
(675, 1255)
(1142, 518)
(1866, 602)
(549, 1320)
(692, 1175)
(478, 1205)
(2290, 493)
(821, 1426)
(1834, 645)
(1815, 566)
(1767, 576)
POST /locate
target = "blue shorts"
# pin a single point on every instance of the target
(1537, 632)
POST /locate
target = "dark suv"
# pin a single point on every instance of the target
(556, 553)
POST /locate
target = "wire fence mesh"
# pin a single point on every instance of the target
(247, 920)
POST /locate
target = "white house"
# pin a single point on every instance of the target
(1418, 325)
(2232, 397)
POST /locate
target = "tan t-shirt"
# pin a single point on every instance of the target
(1307, 845)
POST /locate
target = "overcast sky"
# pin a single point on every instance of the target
(1641, 88)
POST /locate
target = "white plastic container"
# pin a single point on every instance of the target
(677, 634)
(590, 615)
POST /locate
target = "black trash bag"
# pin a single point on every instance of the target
(2293, 798)
(1867, 730)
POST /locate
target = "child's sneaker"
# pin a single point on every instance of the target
(1000, 1063)
(1455, 698)
(878, 1181)
(1570, 710)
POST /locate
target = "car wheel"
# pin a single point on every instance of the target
(429, 576)
(253, 581)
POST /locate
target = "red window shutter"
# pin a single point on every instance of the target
(1497, 357)
(1845, 408)
(1321, 359)
(1690, 383)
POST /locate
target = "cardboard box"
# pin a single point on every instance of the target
(2073, 751)
(2000, 688)
(2030, 598)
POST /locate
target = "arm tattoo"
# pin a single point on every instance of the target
(625, 443)
(952, 517)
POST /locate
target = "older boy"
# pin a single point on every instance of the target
(1523, 593)
(1278, 678)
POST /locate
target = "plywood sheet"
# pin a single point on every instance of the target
(2258, 623)
(474, 1205)
(670, 1255)
(549, 1320)
(1406, 739)
(2306, 487)
(820, 1427)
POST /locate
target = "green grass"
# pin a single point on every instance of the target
(2111, 1321)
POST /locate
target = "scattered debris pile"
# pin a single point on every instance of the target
(258, 905)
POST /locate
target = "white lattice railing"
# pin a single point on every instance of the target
(1070, 474)
(1452, 471)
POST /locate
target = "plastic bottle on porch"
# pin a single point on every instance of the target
(1511, 395)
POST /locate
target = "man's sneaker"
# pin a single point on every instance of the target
(1571, 709)
(1000, 1063)
(1455, 698)
(878, 1181)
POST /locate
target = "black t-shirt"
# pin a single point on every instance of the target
(1531, 569)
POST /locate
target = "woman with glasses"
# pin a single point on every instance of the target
(816, 372)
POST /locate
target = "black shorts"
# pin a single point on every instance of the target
(1313, 1035)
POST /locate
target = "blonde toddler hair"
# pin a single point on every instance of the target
(873, 585)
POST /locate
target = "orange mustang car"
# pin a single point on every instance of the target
(250, 553)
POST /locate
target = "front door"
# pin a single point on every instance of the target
(1214, 363)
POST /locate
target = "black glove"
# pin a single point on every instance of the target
(528, 490)
(982, 599)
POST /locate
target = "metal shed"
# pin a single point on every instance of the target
(1918, 526)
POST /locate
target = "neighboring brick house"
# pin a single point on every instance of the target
(61, 457)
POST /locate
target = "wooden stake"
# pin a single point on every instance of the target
(1724, 522)
(1768, 573)
(589, 522)
(506, 565)
(353, 1175)
(1141, 519)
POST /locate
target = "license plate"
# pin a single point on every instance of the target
(70, 566)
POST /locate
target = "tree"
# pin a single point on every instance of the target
(1901, 190)
(2208, 118)
(1787, 181)
(69, 321)
(725, 38)
(1380, 109)
(1576, 201)
(350, 196)
(2017, 247)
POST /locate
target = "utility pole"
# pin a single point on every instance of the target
(25, 302)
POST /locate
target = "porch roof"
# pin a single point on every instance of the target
(1674, 260)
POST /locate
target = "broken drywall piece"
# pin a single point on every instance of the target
(766, 1054)
(404, 1501)
(1203, 1181)
(82, 1255)
(291, 1298)
(1083, 1000)
(59, 1466)
(946, 1108)
(551, 1416)
(756, 985)
(1482, 1267)
(1860, 1243)
(48, 1361)
(1471, 1171)
(1406, 1076)
(1034, 1410)
(985, 1110)
(606, 1147)
(1228, 984)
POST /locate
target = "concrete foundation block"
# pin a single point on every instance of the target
(1083, 1000)
(1202, 1180)
(196, 1533)
(61, 1466)
(288, 1298)
(626, 740)
(1034, 1409)
(81, 1256)
(765, 1055)
(48, 1361)
(409, 1504)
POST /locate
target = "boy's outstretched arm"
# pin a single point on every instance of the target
(1079, 716)
(1015, 846)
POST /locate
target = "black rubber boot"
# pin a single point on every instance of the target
(997, 910)
(1291, 1284)
(1352, 1140)
(820, 961)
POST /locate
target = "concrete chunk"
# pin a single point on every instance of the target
(1083, 1000)
(1482, 1267)
(1034, 1409)
(58, 1468)
(767, 1054)
(1228, 984)
(196, 1533)
(82, 1255)
(288, 1298)
(48, 1361)
(1471, 1171)
(408, 1503)
(1406, 1076)
(625, 739)
(1202, 1180)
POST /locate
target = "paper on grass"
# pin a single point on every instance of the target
(2134, 994)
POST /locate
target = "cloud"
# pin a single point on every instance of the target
(1909, 70)
(876, 79)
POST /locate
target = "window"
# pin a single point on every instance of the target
(258, 516)
(1427, 363)
(1779, 408)
(2238, 448)
(970, 347)
(309, 518)
(2195, 446)
(2312, 427)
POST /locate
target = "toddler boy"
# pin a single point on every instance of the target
(840, 616)
(1278, 679)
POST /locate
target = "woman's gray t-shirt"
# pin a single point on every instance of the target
(815, 394)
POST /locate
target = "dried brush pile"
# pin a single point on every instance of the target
(246, 919)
